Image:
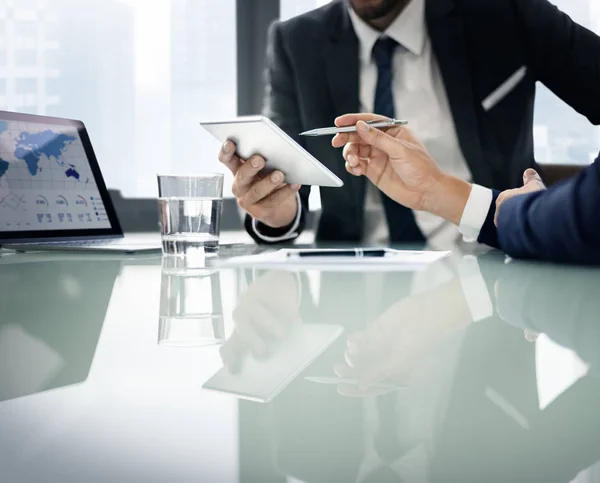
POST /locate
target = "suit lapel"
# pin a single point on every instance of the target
(447, 36)
(342, 74)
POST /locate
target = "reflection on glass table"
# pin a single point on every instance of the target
(191, 310)
(472, 408)
(391, 348)
(51, 317)
(561, 302)
(270, 345)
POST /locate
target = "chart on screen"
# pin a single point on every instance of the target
(46, 182)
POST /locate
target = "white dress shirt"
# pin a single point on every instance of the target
(420, 98)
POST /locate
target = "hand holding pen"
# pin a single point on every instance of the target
(375, 123)
(414, 180)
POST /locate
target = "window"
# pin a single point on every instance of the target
(140, 73)
(561, 135)
(26, 58)
(291, 8)
(26, 86)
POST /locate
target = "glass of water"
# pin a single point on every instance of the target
(190, 213)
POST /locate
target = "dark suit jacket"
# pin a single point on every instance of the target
(313, 76)
(561, 224)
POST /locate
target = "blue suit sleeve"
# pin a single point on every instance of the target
(561, 224)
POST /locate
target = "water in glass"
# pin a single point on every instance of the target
(190, 224)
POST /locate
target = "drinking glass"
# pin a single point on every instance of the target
(190, 213)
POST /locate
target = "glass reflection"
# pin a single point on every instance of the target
(191, 309)
(51, 315)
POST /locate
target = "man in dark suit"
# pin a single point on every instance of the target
(463, 72)
(560, 224)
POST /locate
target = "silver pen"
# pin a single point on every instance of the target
(328, 131)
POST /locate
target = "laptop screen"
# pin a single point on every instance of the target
(50, 183)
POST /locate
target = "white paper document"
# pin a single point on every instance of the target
(343, 259)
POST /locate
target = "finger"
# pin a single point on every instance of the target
(380, 140)
(359, 170)
(352, 119)
(232, 352)
(358, 359)
(260, 189)
(340, 139)
(501, 198)
(499, 202)
(274, 200)
(342, 370)
(246, 174)
(531, 175)
(350, 149)
(505, 195)
(496, 213)
(531, 336)
(358, 344)
(356, 150)
(228, 157)
(376, 374)
(247, 332)
(398, 132)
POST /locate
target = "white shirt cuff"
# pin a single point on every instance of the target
(476, 211)
(474, 289)
(292, 232)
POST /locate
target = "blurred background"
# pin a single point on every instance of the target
(143, 73)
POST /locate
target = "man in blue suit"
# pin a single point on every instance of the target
(559, 224)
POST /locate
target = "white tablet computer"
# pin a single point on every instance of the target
(259, 135)
(261, 380)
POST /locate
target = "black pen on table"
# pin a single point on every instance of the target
(352, 252)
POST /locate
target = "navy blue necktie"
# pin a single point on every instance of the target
(401, 221)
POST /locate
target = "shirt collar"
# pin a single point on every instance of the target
(408, 29)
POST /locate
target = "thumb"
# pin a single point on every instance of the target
(531, 175)
(379, 139)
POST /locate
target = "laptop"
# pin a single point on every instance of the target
(52, 193)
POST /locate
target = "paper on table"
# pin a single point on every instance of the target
(395, 260)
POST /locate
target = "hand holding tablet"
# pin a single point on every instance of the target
(257, 135)
(269, 168)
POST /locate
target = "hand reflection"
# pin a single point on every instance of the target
(395, 344)
(530, 336)
(560, 301)
(262, 316)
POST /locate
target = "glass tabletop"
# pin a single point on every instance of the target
(473, 368)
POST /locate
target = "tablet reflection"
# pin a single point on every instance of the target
(270, 345)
